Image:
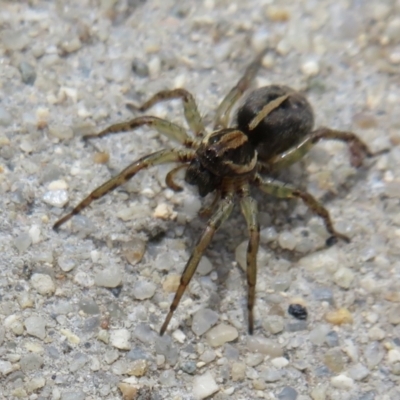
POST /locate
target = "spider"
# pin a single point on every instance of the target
(272, 129)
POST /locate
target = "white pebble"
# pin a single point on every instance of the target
(56, 198)
(120, 338)
(5, 367)
(342, 382)
(43, 284)
(310, 68)
(154, 67)
(22, 242)
(287, 240)
(203, 320)
(343, 277)
(13, 323)
(63, 132)
(393, 356)
(204, 386)
(109, 277)
(66, 264)
(179, 336)
(205, 266)
(36, 326)
(34, 233)
(221, 334)
(280, 362)
(83, 279)
(58, 185)
(143, 290)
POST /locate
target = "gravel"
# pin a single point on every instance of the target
(81, 308)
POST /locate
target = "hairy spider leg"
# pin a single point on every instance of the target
(159, 157)
(250, 212)
(358, 149)
(221, 214)
(169, 179)
(284, 191)
(190, 109)
(171, 130)
(223, 111)
(207, 210)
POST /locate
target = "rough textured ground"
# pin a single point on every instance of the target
(79, 315)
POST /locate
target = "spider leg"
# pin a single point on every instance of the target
(358, 149)
(159, 157)
(169, 179)
(221, 214)
(190, 109)
(283, 191)
(171, 130)
(206, 210)
(225, 107)
(250, 212)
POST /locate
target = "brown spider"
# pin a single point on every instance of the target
(272, 130)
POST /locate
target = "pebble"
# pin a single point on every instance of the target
(254, 359)
(5, 367)
(358, 372)
(334, 360)
(73, 395)
(238, 371)
(339, 317)
(260, 344)
(109, 277)
(189, 367)
(28, 73)
(204, 386)
(167, 348)
(25, 300)
(271, 375)
(287, 240)
(171, 283)
(344, 277)
(310, 68)
(203, 320)
(205, 266)
(78, 361)
(376, 333)
(373, 354)
(15, 39)
(142, 290)
(134, 250)
(5, 119)
(63, 132)
(318, 334)
(36, 326)
(280, 362)
(140, 68)
(137, 368)
(66, 264)
(394, 314)
(287, 393)
(31, 362)
(393, 356)
(43, 284)
(332, 339)
(129, 392)
(120, 338)
(22, 242)
(56, 198)
(221, 334)
(167, 378)
(208, 356)
(71, 337)
(342, 382)
(35, 234)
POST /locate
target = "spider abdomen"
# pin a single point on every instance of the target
(283, 127)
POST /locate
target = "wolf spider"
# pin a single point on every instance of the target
(272, 129)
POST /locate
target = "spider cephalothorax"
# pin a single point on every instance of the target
(272, 129)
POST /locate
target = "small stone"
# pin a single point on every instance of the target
(395, 369)
(238, 371)
(31, 362)
(179, 336)
(71, 337)
(13, 323)
(189, 367)
(171, 283)
(373, 354)
(393, 356)
(71, 45)
(15, 39)
(310, 68)
(203, 320)
(129, 392)
(332, 339)
(277, 14)
(343, 277)
(137, 368)
(142, 290)
(287, 393)
(140, 68)
(208, 356)
(56, 198)
(5, 120)
(280, 362)
(120, 338)
(78, 361)
(254, 359)
(66, 264)
(167, 348)
(260, 344)
(334, 360)
(36, 326)
(73, 395)
(22, 242)
(167, 378)
(221, 334)
(376, 333)
(154, 66)
(298, 311)
(28, 73)
(204, 386)
(287, 240)
(63, 132)
(43, 284)
(358, 372)
(109, 277)
(271, 375)
(164, 211)
(258, 384)
(318, 334)
(134, 250)
(339, 317)
(273, 324)
(394, 314)
(5, 367)
(342, 382)
(319, 392)
(205, 266)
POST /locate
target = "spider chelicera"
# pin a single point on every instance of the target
(271, 130)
